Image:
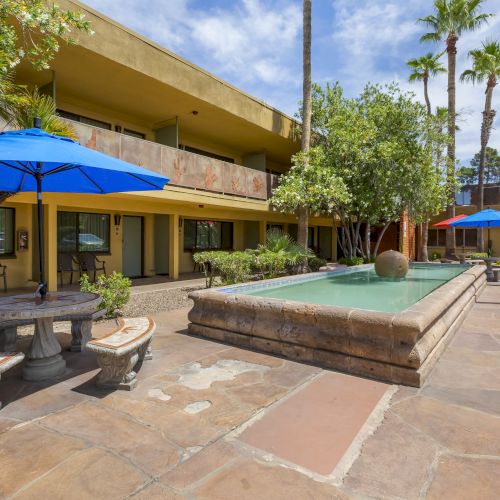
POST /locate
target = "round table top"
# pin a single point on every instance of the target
(29, 306)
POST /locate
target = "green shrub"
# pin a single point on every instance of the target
(371, 260)
(435, 256)
(270, 264)
(230, 267)
(315, 263)
(479, 255)
(114, 290)
(354, 261)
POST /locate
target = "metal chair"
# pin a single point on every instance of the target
(90, 263)
(3, 274)
(66, 264)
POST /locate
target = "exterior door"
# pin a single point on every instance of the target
(132, 246)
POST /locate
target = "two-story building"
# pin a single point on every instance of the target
(221, 148)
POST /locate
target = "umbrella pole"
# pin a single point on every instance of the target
(42, 285)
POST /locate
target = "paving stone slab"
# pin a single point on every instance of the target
(460, 478)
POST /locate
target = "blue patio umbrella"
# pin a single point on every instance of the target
(32, 160)
(485, 218)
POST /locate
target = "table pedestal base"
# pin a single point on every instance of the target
(44, 361)
(45, 368)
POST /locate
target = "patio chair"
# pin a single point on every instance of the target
(89, 263)
(66, 264)
(3, 274)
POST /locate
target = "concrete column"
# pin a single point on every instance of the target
(173, 246)
(149, 245)
(239, 235)
(262, 232)
(50, 219)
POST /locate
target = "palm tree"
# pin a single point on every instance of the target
(485, 66)
(303, 212)
(423, 68)
(450, 20)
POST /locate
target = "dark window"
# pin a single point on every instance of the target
(466, 238)
(310, 238)
(83, 119)
(197, 151)
(436, 238)
(274, 226)
(207, 235)
(7, 230)
(132, 133)
(82, 232)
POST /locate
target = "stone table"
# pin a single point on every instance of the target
(44, 359)
(489, 261)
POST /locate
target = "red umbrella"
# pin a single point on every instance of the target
(446, 223)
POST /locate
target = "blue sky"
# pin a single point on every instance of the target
(256, 46)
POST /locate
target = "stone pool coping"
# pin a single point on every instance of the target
(398, 347)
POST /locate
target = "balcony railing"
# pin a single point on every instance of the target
(184, 169)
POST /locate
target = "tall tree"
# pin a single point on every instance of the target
(303, 211)
(452, 18)
(423, 68)
(485, 66)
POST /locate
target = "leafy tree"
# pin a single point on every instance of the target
(379, 145)
(451, 19)
(310, 184)
(470, 175)
(37, 31)
(422, 69)
(485, 66)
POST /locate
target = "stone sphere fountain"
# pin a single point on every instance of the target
(391, 264)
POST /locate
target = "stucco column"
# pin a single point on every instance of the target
(149, 245)
(173, 246)
(262, 232)
(239, 235)
(50, 216)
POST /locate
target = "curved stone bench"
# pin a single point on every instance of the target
(8, 360)
(119, 352)
(81, 330)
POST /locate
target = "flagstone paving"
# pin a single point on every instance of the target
(211, 421)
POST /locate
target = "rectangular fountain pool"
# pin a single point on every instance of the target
(348, 320)
(361, 289)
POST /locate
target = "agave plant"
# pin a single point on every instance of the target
(281, 243)
(34, 104)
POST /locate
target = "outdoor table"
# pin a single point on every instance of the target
(44, 361)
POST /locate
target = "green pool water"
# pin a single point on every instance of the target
(363, 289)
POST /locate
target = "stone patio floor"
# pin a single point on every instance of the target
(210, 421)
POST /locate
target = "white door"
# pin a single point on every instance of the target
(132, 246)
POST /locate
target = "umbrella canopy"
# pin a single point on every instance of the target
(66, 167)
(446, 223)
(33, 160)
(484, 218)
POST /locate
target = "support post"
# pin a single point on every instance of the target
(51, 246)
(173, 246)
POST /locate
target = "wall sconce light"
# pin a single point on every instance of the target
(118, 219)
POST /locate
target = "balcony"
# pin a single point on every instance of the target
(468, 195)
(184, 169)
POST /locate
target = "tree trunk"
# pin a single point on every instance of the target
(424, 254)
(426, 95)
(488, 116)
(303, 212)
(451, 50)
(379, 239)
(367, 240)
